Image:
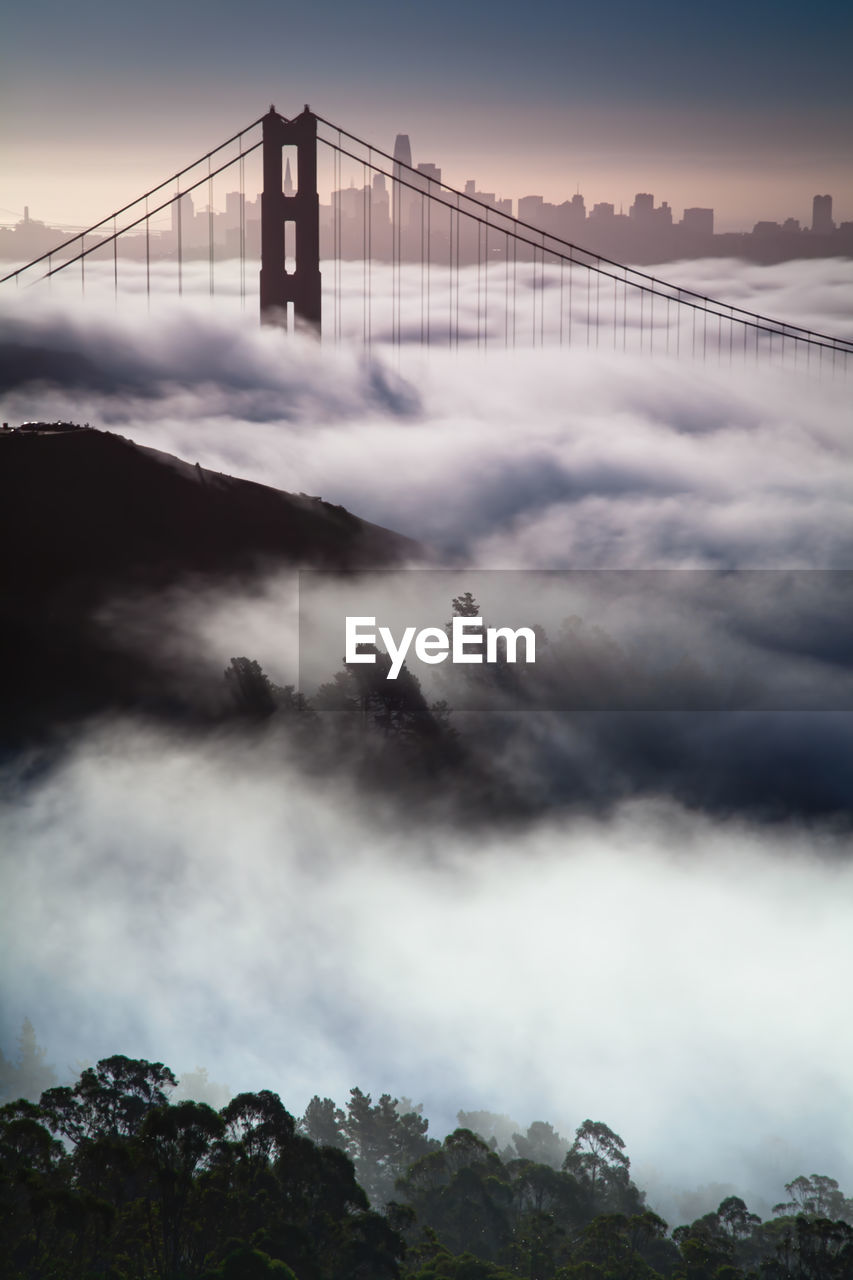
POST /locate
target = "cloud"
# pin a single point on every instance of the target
(675, 976)
(645, 952)
(555, 457)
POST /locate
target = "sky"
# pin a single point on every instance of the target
(742, 108)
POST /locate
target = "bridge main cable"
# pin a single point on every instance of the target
(81, 235)
(546, 241)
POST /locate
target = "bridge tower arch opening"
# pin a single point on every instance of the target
(302, 286)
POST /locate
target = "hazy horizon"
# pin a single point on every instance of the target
(747, 114)
(58, 195)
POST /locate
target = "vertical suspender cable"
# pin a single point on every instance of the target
(514, 287)
(731, 334)
(588, 301)
(338, 246)
(506, 288)
(242, 227)
(597, 303)
(180, 245)
(542, 297)
(209, 229)
(423, 262)
(449, 278)
(533, 298)
(429, 264)
(479, 275)
(395, 249)
(369, 248)
(571, 283)
(486, 284)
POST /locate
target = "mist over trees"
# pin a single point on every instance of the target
(28, 1074)
(118, 1176)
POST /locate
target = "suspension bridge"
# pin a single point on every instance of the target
(398, 256)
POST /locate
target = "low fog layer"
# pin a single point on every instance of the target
(673, 974)
(678, 978)
(548, 457)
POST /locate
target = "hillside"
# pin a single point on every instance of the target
(86, 515)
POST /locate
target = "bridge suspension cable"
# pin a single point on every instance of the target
(711, 325)
(426, 263)
(110, 237)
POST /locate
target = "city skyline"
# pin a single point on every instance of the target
(642, 232)
(748, 114)
(800, 208)
(515, 204)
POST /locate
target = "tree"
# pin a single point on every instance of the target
(175, 1143)
(260, 1126)
(816, 1197)
(542, 1144)
(396, 708)
(465, 606)
(30, 1075)
(809, 1248)
(597, 1158)
(109, 1100)
(382, 1142)
(251, 689)
(735, 1219)
(323, 1123)
(461, 1193)
(141, 1189)
(495, 1129)
(245, 1263)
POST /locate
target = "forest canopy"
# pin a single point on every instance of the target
(120, 1176)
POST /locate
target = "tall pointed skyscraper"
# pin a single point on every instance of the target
(287, 186)
(403, 149)
(402, 197)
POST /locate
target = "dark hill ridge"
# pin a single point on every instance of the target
(86, 515)
(93, 507)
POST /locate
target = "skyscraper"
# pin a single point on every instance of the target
(402, 197)
(822, 223)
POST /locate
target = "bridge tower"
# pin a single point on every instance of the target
(301, 286)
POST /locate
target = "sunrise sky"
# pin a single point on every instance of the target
(743, 108)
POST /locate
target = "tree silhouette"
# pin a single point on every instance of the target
(31, 1074)
(597, 1158)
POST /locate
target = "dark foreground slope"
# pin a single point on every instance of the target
(91, 506)
(87, 515)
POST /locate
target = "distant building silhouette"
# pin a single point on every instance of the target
(822, 223)
(403, 199)
(642, 211)
(700, 221)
